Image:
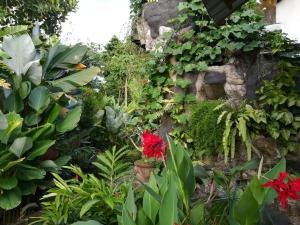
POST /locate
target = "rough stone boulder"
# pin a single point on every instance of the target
(155, 21)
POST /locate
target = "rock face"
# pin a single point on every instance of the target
(221, 81)
(155, 21)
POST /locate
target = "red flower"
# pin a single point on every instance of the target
(154, 146)
(285, 187)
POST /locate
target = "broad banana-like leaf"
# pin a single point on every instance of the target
(76, 80)
(22, 52)
(61, 55)
(39, 99)
(13, 30)
(70, 121)
(35, 73)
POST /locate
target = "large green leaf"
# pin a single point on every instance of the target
(76, 80)
(10, 199)
(20, 146)
(142, 218)
(15, 122)
(26, 173)
(168, 212)
(39, 99)
(246, 211)
(180, 163)
(40, 148)
(150, 204)
(14, 103)
(130, 204)
(70, 121)
(54, 113)
(21, 51)
(60, 55)
(35, 73)
(89, 222)
(8, 183)
(197, 214)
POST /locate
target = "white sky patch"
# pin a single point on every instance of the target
(97, 21)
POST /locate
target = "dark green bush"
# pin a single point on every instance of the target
(205, 131)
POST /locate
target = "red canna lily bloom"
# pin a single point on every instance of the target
(154, 146)
(286, 187)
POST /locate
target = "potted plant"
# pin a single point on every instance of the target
(153, 150)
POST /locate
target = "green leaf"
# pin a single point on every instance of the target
(11, 164)
(54, 113)
(257, 190)
(22, 52)
(87, 206)
(20, 146)
(150, 204)
(26, 173)
(8, 183)
(197, 214)
(143, 219)
(39, 99)
(168, 212)
(246, 211)
(89, 222)
(60, 55)
(70, 121)
(24, 89)
(10, 199)
(15, 122)
(13, 103)
(32, 119)
(35, 73)
(40, 148)
(3, 121)
(242, 128)
(76, 80)
(13, 30)
(130, 204)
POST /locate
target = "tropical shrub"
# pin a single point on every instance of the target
(239, 122)
(205, 131)
(168, 196)
(34, 112)
(49, 13)
(280, 97)
(86, 196)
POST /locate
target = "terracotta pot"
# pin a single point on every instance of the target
(142, 170)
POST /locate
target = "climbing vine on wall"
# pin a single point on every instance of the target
(201, 42)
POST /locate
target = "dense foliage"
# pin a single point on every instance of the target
(50, 14)
(35, 112)
(205, 131)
